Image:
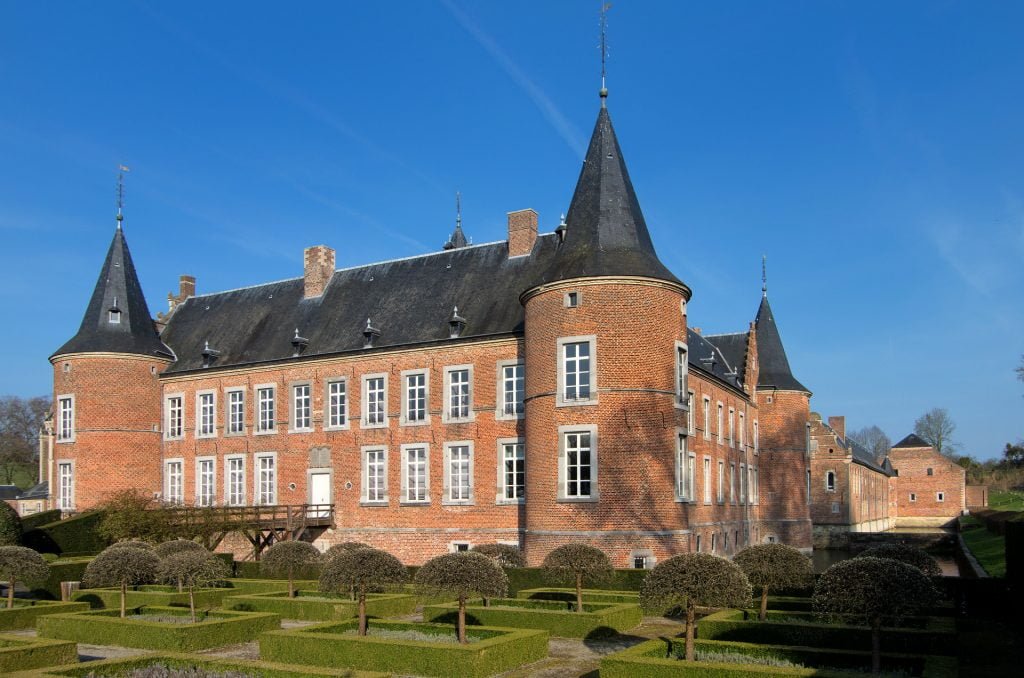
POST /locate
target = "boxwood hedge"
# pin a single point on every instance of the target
(153, 594)
(105, 627)
(73, 536)
(557, 617)
(246, 587)
(312, 605)
(64, 569)
(490, 651)
(589, 595)
(25, 612)
(18, 653)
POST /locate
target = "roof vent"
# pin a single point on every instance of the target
(561, 229)
(370, 334)
(209, 354)
(456, 324)
(299, 344)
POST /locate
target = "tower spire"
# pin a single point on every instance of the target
(604, 52)
(764, 276)
(121, 169)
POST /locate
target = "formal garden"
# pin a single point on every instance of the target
(160, 605)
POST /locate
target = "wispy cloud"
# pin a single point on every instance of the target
(569, 134)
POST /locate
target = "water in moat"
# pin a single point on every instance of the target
(825, 558)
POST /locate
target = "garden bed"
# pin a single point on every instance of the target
(660, 659)
(105, 627)
(316, 606)
(589, 595)
(18, 653)
(25, 612)
(407, 648)
(246, 587)
(110, 598)
(557, 617)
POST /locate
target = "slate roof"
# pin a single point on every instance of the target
(913, 440)
(772, 361)
(9, 491)
(861, 454)
(701, 349)
(733, 348)
(40, 491)
(117, 288)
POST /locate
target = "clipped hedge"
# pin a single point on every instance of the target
(74, 536)
(250, 569)
(18, 653)
(656, 659)
(598, 620)
(316, 606)
(152, 594)
(65, 569)
(246, 587)
(492, 651)
(589, 595)
(938, 636)
(25, 612)
(31, 522)
(105, 627)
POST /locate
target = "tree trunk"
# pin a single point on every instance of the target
(192, 602)
(10, 593)
(291, 582)
(764, 604)
(691, 623)
(124, 597)
(362, 611)
(181, 585)
(461, 630)
(579, 592)
(876, 646)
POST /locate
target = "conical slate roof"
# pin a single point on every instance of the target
(457, 239)
(117, 289)
(774, 365)
(606, 234)
(913, 440)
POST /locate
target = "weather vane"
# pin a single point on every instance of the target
(604, 49)
(458, 209)
(121, 169)
(764, 274)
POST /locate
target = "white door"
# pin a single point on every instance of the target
(319, 494)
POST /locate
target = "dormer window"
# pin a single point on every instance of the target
(114, 316)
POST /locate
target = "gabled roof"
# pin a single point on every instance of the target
(771, 356)
(705, 355)
(861, 454)
(40, 491)
(733, 348)
(9, 491)
(913, 440)
(117, 289)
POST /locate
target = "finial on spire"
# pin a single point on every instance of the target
(764, 275)
(121, 169)
(604, 52)
(458, 209)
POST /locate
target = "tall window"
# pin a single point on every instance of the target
(578, 464)
(732, 483)
(266, 480)
(707, 418)
(743, 430)
(204, 482)
(236, 412)
(732, 427)
(512, 388)
(460, 475)
(174, 481)
(336, 404)
(302, 416)
(206, 415)
(458, 393)
(66, 418)
(174, 425)
(808, 489)
(66, 486)
(690, 414)
(682, 468)
(375, 478)
(235, 481)
(707, 480)
(757, 438)
(681, 374)
(830, 481)
(266, 419)
(416, 397)
(375, 399)
(719, 421)
(576, 370)
(415, 472)
(513, 470)
(691, 476)
(755, 489)
(721, 482)
(743, 483)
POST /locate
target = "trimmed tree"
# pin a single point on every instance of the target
(693, 579)
(578, 564)
(10, 525)
(284, 557)
(770, 567)
(191, 569)
(505, 555)
(872, 591)
(20, 564)
(133, 544)
(174, 547)
(905, 554)
(344, 547)
(463, 574)
(123, 567)
(359, 569)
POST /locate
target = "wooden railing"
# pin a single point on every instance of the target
(279, 516)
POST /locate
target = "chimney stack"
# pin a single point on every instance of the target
(186, 287)
(319, 267)
(838, 424)
(522, 232)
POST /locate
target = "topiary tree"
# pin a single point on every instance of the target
(20, 564)
(344, 547)
(132, 544)
(871, 591)
(773, 567)
(693, 579)
(463, 574)
(10, 525)
(174, 547)
(121, 566)
(191, 569)
(284, 557)
(505, 555)
(357, 570)
(905, 554)
(576, 564)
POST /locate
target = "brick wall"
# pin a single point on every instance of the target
(925, 474)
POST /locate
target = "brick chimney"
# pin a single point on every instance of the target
(319, 267)
(838, 425)
(186, 289)
(522, 232)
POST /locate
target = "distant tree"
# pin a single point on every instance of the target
(505, 555)
(463, 574)
(693, 579)
(358, 570)
(192, 569)
(770, 567)
(936, 428)
(905, 554)
(578, 564)
(872, 591)
(132, 514)
(10, 525)
(1014, 454)
(20, 564)
(285, 557)
(123, 567)
(20, 421)
(873, 439)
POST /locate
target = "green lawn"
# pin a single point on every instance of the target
(1006, 500)
(989, 548)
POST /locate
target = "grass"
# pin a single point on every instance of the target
(1006, 500)
(989, 548)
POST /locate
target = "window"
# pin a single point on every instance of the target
(940, 496)
(707, 480)
(682, 470)
(375, 401)
(375, 476)
(512, 473)
(337, 404)
(65, 418)
(415, 474)
(236, 412)
(698, 543)
(302, 415)
(719, 431)
(639, 562)
(808, 488)
(691, 476)
(707, 418)
(743, 430)
(830, 481)
(578, 463)
(512, 389)
(205, 482)
(757, 438)
(266, 420)
(732, 483)
(721, 482)
(458, 472)
(835, 507)
(114, 317)
(459, 389)
(414, 399)
(755, 490)
(173, 417)
(713, 535)
(690, 414)
(732, 427)
(929, 471)
(743, 483)
(66, 486)
(458, 546)
(235, 481)
(174, 482)
(576, 370)
(913, 497)
(681, 374)
(572, 299)
(266, 479)
(206, 406)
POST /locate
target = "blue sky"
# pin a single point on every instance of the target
(872, 150)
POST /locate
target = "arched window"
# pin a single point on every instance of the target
(830, 481)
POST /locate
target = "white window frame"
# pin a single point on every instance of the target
(691, 476)
(230, 394)
(940, 497)
(743, 484)
(66, 491)
(682, 374)
(742, 431)
(424, 419)
(563, 481)
(331, 416)
(470, 499)
(720, 488)
(913, 496)
(453, 546)
(170, 496)
(382, 498)
(169, 429)
(501, 496)
(229, 494)
(406, 451)
(732, 427)
(383, 400)
(257, 479)
(755, 491)
(757, 438)
(260, 425)
(561, 360)
(706, 479)
(66, 424)
(519, 406)
(450, 396)
(691, 416)
(719, 421)
(204, 409)
(295, 390)
(682, 467)
(830, 476)
(808, 488)
(200, 495)
(732, 483)
(707, 418)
